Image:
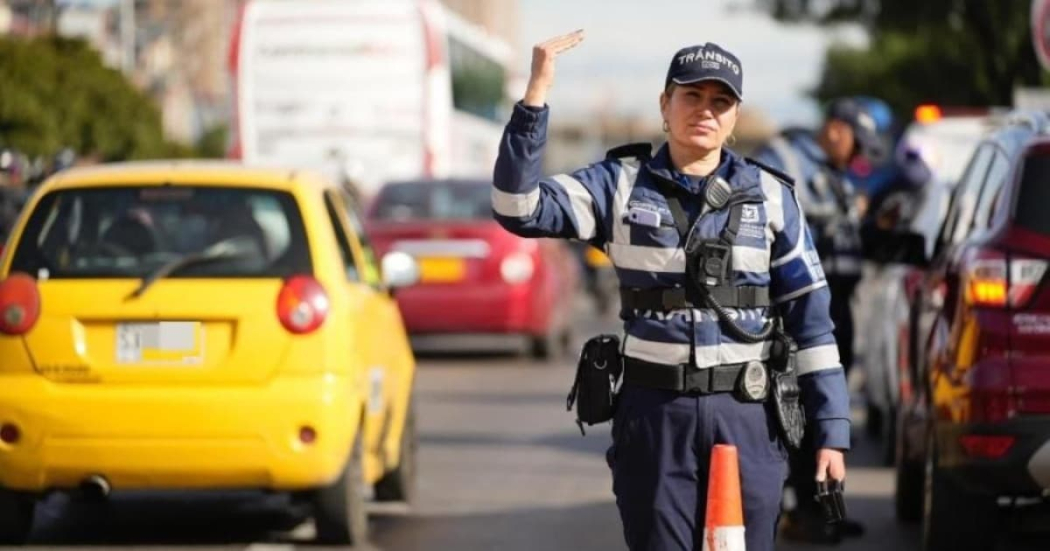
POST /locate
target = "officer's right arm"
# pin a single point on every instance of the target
(574, 206)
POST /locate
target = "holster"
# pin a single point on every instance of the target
(791, 419)
(597, 372)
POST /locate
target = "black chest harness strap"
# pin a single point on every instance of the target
(717, 265)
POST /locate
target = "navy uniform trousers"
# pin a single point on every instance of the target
(660, 461)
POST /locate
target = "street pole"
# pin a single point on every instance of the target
(127, 35)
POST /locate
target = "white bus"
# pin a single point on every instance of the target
(367, 90)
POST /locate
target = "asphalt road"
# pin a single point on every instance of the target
(502, 466)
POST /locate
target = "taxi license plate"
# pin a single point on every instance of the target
(160, 343)
(442, 270)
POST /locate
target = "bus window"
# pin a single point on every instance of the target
(477, 81)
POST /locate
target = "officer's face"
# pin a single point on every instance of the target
(699, 116)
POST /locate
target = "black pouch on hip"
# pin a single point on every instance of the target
(593, 390)
(791, 419)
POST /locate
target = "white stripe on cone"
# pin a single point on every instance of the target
(724, 538)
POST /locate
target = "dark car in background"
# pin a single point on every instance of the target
(477, 280)
(929, 159)
(975, 424)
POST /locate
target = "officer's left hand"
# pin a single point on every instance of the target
(830, 464)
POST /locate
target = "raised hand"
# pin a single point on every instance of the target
(543, 56)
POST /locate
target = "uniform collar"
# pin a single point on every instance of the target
(741, 175)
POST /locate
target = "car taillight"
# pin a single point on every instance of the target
(989, 285)
(302, 304)
(19, 304)
(517, 268)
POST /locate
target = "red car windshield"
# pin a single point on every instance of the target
(434, 200)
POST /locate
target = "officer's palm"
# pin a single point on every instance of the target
(544, 53)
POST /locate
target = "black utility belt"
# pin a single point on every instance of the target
(672, 298)
(749, 380)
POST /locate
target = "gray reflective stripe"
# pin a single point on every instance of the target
(706, 356)
(774, 192)
(582, 205)
(795, 294)
(650, 259)
(656, 352)
(800, 244)
(750, 259)
(793, 167)
(732, 353)
(621, 233)
(515, 205)
(788, 157)
(818, 358)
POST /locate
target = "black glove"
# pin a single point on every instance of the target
(832, 502)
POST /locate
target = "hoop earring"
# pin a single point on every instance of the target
(731, 140)
(667, 127)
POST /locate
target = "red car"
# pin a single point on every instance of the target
(476, 279)
(975, 428)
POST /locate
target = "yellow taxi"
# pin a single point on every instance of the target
(198, 325)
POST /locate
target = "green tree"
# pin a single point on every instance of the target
(952, 52)
(56, 92)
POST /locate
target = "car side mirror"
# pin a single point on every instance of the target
(399, 270)
(884, 246)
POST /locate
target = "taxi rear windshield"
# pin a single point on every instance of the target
(434, 200)
(132, 231)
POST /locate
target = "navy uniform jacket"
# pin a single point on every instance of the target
(773, 249)
(835, 226)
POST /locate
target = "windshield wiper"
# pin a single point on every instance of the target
(223, 250)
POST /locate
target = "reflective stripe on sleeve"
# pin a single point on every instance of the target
(515, 205)
(818, 358)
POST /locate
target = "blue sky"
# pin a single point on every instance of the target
(629, 44)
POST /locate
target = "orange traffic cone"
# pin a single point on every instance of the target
(724, 522)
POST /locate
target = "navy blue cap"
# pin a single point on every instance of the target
(865, 128)
(705, 62)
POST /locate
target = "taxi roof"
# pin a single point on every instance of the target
(186, 172)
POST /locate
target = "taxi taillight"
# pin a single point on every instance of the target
(19, 304)
(302, 304)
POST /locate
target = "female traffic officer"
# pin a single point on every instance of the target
(682, 362)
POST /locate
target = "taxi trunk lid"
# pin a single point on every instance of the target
(180, 331)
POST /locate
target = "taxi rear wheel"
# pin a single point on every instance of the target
(16, 516)
(400, 483)
(339, 509)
